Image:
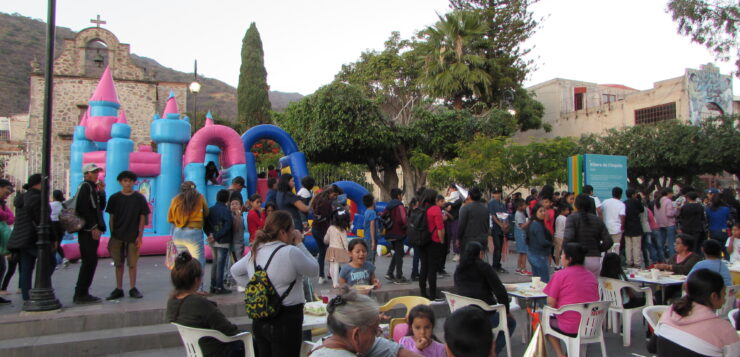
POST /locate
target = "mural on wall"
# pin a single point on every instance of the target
(708, 90)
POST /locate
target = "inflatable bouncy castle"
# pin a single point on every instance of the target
(103, 137)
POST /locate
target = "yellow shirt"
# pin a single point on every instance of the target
(194, 220)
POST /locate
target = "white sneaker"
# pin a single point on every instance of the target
(456, 258)
(321, 280)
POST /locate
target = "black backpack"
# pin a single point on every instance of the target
(386, 219)
(418, 230)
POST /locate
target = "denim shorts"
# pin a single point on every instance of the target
(521, 240)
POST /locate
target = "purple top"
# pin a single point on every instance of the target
(435, 349)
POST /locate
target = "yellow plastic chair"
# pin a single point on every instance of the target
(409, 302)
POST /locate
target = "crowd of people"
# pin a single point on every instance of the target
(566, 240)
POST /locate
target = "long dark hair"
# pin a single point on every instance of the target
(323, 196)
(58, 195)
(716, 203)
(428, 198)
(611, 267)
(470, 254)
(420, 312)
(536, 208)
(664, 192)
(284, 183)
(699, 288)
(585, 205)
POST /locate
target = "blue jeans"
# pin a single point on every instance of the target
(648, 249)
(220, 260)
(659, 245)
(539, 266)
(669, 238)
(501, 339)
(26, 263)
(318, 236)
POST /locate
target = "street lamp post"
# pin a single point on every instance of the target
(195, 88)
(42, 295)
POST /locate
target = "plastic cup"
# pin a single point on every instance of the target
(536, 280)
(654, 274)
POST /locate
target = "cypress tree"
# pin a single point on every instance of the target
(253, 103)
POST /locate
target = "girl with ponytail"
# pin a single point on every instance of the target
(187, 213)
(289, 262)
(691, 327)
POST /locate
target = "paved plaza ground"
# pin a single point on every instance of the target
(154, 283)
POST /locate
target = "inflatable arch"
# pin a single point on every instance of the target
(297, 159)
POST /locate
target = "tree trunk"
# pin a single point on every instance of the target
(387, 182)
(412, 178)
(457, 102)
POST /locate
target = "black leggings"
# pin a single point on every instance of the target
(12, 265)
(432, 256)
(318, 236)
(280, 336)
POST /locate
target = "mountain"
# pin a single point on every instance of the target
(23, 39)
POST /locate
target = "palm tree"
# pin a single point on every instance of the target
(453, 65)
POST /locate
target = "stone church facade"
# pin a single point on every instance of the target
(77, 71)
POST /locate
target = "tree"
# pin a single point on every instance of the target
(500, 162)
(253, 103)
(712, 23)
(509, 24)
(338, 124)
(672, 152)
(453, 65)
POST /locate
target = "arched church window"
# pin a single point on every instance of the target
(96, 58)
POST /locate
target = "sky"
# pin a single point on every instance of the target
(630, 42)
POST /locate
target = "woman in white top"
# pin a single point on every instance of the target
(279, 335)
(56, 227)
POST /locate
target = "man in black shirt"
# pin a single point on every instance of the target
(692, 220)
(128, 211)
(474, 220)
(633, 229)
(90, 204)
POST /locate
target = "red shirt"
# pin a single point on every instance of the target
(435, 222)
(550, 221)
(255, 221)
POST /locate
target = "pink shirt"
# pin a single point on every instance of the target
(435, 349)
(665, 216)
(572, 285)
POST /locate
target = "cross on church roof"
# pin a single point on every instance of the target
(98, 21)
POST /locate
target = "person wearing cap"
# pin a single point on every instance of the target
(499, 226)
(24, 236)
(90, 204)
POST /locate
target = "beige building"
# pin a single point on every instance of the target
(77, 71)
(573, 108)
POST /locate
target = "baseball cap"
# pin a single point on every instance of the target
(90, 168)
(713, 190)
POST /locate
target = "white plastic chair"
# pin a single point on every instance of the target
(190, 337)
(611, 290)
(458, 301)
(730, 293)
(732, 315)
(653, 313)
(589, 330)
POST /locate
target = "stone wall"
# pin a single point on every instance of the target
(139, 99)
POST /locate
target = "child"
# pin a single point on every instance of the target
(371, 229)
(420, 338)
(336, 237)
(218, 228)
(563, 212)
(255, 216)
(468, 333)
(128, 211)
(358, 271)
(520, 235)
(733, 244)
